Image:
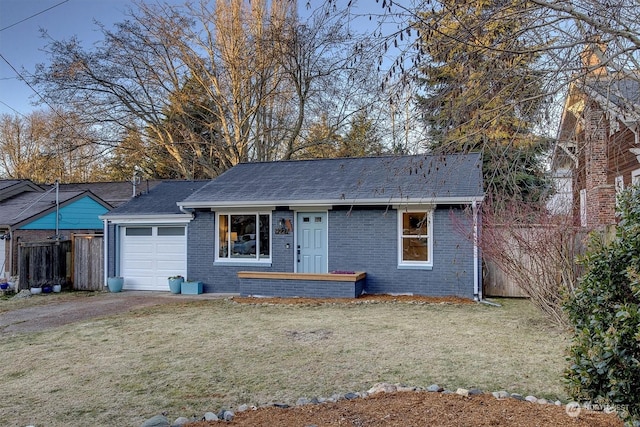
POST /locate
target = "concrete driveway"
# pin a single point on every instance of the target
(61, 311)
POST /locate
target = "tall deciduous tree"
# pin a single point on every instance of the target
(211, 84)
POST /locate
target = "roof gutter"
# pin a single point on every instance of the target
(168, 218)
(185, 211)
(330, 202)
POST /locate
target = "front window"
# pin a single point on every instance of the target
(244, 236)
(415, 239)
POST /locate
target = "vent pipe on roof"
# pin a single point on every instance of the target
(135, 180)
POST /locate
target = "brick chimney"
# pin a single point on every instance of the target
(593, 58)
(601, 196)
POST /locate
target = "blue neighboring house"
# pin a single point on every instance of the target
(28, 213)
(327, 227)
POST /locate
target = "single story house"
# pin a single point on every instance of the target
(400, 224)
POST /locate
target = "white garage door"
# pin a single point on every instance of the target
(149, 255)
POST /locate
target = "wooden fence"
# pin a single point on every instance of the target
(43, 261)
(88, 262)
(497, 283)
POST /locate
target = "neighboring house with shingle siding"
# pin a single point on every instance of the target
(597, 153)
(281, 228)
(28, 212)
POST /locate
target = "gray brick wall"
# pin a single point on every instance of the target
(223, 278)
(366, 240)
(359, 240)
(301, 288)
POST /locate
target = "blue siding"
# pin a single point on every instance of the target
(81, 214)
(359, 240)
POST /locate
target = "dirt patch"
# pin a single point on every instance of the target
(364, 299)
(421, 409)
(411, 408)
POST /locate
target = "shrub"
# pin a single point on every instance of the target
(537, 250)
(605, 312)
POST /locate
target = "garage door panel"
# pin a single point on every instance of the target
(140, 264)
(171, 250)
(169, 268)
(139, 251)
(147, 261)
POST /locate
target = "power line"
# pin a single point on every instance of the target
(25, 81)
(42, 98)
(11, 108)
(33, 16)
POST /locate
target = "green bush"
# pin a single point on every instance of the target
(605, 311)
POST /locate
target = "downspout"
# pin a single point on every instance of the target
(186, 211)
(105, 232)
(477, 290)
(10, 231)
(57, 210)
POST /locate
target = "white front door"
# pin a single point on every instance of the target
(312, 242)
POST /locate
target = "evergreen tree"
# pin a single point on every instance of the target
(362, 140)
(481, 92)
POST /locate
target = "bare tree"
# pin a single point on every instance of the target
(537, 250)
(47, 146)
(210, 84)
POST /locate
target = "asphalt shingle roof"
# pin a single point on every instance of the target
(619, 92)
(370, 180)
(159, 200)
(114, 193)
(11, 187)
(6, 183)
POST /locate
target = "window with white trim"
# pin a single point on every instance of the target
(415, 238)
(635, 177)
(243, 237)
